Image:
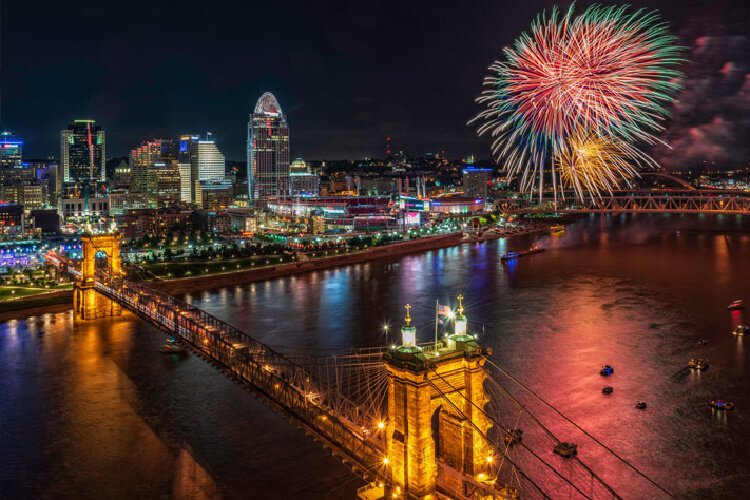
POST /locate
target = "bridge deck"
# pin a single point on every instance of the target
(337, 421)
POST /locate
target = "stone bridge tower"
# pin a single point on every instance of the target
(436, 422)
(88, 303)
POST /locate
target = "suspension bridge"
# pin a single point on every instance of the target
(415, 420)
(645, 201)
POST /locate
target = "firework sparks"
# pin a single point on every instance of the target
(592, 164)
(607, 72)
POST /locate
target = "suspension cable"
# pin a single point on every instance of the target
(471, 422)
(593, 474)
(610, 450)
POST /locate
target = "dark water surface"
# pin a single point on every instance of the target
(97, 411)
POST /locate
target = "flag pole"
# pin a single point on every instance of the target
(437, 308)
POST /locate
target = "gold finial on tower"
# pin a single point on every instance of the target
(460, 303)
(408, 314)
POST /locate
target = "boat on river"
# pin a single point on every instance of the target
(720, 404)
(566, 450)
(171, 346)
(508, 256)
(741, 330)
(698, 364)
(736, 305)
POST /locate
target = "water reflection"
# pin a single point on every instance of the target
(625, 290)
(99, 405)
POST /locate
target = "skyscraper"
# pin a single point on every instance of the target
(163, 183)
(267, 151)
(183, 159)
(10, 151)
(82, 152)
(206, 164)
(143, 158)
(475, 179)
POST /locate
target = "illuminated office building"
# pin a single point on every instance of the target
(11, 150)
(143, 158)
(82, 152)
(183, 160)
(206, 164)
(267, 151)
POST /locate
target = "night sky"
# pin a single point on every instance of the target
(346, 73)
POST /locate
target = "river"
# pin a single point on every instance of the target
(94, 410)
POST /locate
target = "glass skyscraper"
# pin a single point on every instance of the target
(267, 151)
(82, 152)
(206, 164)
(183, 158)
(143, 158)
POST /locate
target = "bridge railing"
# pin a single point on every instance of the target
(333, 418)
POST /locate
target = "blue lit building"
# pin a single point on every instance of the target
(11, 151)
(476, 180)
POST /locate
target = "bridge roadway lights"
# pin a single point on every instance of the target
(88, 302)
(431, 398)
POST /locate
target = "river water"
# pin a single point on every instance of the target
(95, 410)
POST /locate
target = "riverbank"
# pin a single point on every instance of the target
(200, 283)
(36, 304)
(61, 301)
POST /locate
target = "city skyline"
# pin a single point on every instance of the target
(381, 78)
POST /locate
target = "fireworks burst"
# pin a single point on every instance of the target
(592, 164)
(603, 74)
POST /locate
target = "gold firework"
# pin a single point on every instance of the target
(592, 163)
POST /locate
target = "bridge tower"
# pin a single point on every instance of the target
(88, 303)
(436, 421)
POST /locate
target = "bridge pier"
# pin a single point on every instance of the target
(90, 304)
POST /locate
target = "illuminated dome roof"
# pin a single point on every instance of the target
(267, 105)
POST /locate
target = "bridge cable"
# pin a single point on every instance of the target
(555, 438)
(515, 466)
(610, 450)
(522, 444)
(593, 474)
(535, 454)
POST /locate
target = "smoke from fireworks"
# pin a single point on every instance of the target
(604, 74)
